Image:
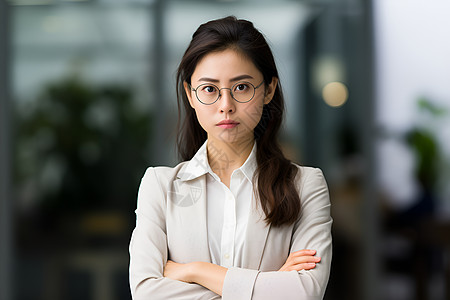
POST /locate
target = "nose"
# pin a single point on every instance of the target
(226, 102)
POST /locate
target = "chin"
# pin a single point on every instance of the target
(234, 139)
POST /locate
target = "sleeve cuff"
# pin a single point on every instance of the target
(238, 284)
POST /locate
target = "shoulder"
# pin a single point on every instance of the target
(310, 180)
(163, 175)
(306, 173)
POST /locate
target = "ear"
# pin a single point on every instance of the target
(188, 92)
(270, 90)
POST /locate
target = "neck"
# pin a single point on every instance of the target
(225, 157)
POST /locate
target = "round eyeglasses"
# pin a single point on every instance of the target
(242, 92)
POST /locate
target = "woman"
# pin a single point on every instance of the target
(236, 219)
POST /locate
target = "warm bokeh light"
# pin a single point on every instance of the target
(335, 94)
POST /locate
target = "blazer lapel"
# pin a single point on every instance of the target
(190, 217)
(201, 220)
(256, 237)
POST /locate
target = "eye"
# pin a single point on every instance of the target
(208, 89)
(241, 87)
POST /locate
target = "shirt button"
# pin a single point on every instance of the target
(227, 256)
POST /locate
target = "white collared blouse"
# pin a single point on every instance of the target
(227, 208)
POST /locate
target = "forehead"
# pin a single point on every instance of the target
(224, 65)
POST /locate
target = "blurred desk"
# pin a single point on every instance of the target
(101, 265)
(423, 257)
(437, 233)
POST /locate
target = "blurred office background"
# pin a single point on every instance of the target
(87, 102)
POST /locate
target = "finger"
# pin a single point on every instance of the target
(299, 267)
(303, 252)
(295, 261)
(300, 261)
(305, 259)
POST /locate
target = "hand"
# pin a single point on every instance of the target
(300, 260)
(177, 271)
(209, 275)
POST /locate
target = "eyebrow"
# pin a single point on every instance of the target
(237, 78)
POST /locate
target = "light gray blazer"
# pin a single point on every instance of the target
(171, 224)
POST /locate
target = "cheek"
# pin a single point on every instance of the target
(252, 115)
(203, 117)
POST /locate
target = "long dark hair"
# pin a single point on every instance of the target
(274, 176)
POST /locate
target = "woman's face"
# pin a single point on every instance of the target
(227, 120)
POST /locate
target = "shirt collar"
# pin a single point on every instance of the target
(249, 166)
(199, 165)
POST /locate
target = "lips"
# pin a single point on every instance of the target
(227, 124)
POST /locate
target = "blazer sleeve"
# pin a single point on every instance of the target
(149, 252)
(311, 231)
